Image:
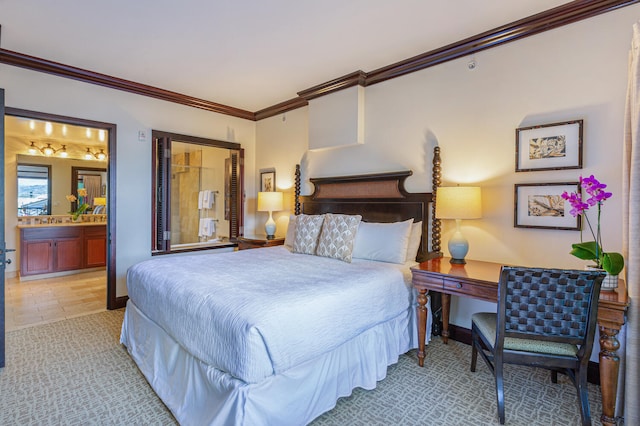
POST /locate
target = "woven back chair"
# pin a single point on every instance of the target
(546, 318)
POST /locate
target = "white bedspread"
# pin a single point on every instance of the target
(255, 313)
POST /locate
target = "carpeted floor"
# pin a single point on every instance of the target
(75, 372)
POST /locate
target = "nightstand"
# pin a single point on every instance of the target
(252, 241)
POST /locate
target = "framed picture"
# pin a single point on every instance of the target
(268, 181)
(549, 147)
(540, 205)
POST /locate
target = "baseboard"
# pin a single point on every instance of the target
(463, 335)
(119, 302)
(60, 274)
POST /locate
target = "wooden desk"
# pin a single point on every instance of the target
(479, 280)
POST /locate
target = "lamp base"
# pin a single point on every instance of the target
(458, 246)
(270, 228)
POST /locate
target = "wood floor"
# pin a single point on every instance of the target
(29, 303)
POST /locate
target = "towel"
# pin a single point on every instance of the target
(209, 199)
(202, 229)
(207, 227)
(206, 199)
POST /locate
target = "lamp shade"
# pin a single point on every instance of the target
(269, 201)
(99, 201)
(458, 202)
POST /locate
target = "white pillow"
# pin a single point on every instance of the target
(337, 236)
(384, 242)
(308, 229)
(414, 242)
(291, 232)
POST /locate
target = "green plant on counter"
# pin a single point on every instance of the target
(82, 206)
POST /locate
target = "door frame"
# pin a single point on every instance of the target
(2, 234)
(113, 302)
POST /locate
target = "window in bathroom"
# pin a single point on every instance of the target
(198, 193)
(34, 190)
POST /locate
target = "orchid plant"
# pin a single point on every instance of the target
(82, 206)
(592, 250)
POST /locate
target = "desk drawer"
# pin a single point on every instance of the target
(425, 281)
(471, 290)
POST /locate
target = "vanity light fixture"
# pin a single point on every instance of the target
(47, 150)
(99, 155)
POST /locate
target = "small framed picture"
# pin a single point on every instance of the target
(268, 181)
(540, 205)
(553, 146)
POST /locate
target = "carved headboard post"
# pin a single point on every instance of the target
(436, 180)
(297, 190)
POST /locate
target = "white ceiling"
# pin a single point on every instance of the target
(248, 54)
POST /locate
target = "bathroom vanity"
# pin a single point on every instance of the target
(48, 248)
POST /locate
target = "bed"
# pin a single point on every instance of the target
(275, 335)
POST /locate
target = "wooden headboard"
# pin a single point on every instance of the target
(377, 197)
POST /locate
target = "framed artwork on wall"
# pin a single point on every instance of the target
(268, 181)
(540, 205)
(553, 146)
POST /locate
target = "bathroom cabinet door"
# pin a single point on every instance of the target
(95, 246)
(36, 257)
(68, 254)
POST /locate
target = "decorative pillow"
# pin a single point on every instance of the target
(307, 231)
(414, 241)
(291, 232)
(337, 236)
(385, 242)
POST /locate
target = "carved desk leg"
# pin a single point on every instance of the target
(446, 305)
(422, 323)
(609, 364)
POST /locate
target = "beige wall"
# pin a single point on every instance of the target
(131, 113)
(281, 143)
(575, 72)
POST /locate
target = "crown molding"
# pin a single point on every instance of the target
(281, 107)
(50, 67)
(352, 79)
(534, 24)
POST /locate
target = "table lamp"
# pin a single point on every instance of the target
(458, 202)
(270, 202)
(99, 204)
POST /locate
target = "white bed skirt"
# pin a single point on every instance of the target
(198, 394)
